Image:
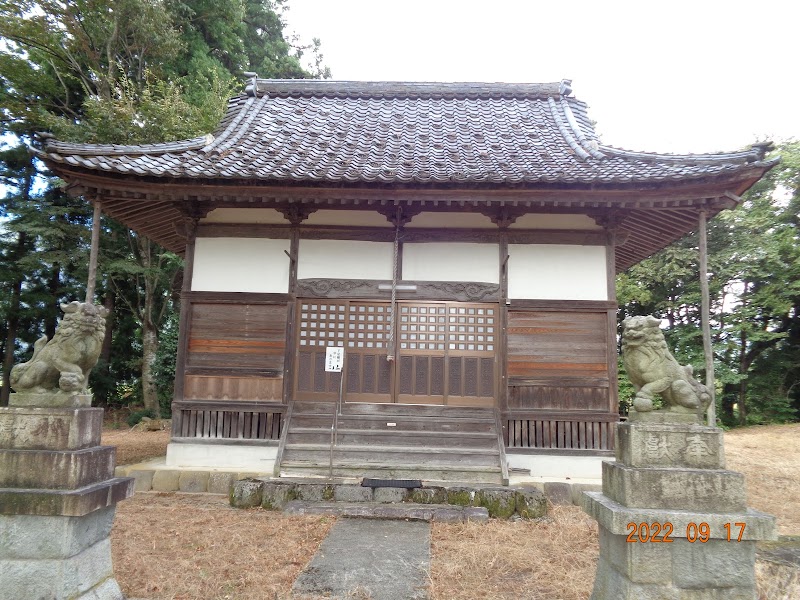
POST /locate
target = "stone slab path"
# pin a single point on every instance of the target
(370, 558)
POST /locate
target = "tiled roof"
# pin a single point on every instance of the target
(329, 132)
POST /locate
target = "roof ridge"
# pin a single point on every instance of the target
(589, 146)
(565, 132)
(401, 89)
(231, 126)
(753, 154)
(81, 149)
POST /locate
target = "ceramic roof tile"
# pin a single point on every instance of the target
(337, 132)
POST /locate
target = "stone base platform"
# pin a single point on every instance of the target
(57, 557)
(441, 513)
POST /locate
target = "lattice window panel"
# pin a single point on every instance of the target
(471, 329)
(423, 327)
(323, 324)
(368, 326)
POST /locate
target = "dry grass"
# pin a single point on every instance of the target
(135, 446)
(194, 546)
(769, 457)
(548, 559)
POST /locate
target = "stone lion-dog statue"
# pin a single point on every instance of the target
(63, 364)
(653, 370)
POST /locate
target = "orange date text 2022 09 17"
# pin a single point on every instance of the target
(695, 532)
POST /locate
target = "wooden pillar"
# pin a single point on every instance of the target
(288, 355)
(611, 319)
(184, 324)
(93, 252)
(705, 310)
(502, 347)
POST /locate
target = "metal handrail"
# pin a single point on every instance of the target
(335, 424)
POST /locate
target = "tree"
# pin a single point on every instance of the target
(129, 71)
(754, 259)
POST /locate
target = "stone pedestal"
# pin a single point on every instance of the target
(673, 521)
(57, 500)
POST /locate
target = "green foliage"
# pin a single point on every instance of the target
(136, 416)
(754, 266)
(166, 356)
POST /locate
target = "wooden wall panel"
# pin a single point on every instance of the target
(237, 336)
(264, 389)
(557, 345)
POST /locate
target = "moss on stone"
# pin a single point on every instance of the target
(461, 496)
(328, 493)
(500, 503)
(531, 503)
(428, 495)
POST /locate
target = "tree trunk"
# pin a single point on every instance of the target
(743, 368)
(53, 285)
(13, 322)
(149, 349)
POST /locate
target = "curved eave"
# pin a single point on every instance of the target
(157, 207)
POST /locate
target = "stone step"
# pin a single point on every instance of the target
(387, 409)
(429, 473)
(379, 454)
(276, 494)
(478, 441)
(443, 513)
(401, 423)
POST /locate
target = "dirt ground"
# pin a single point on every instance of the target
(170, 546)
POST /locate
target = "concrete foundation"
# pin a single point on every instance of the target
(57, 500)
(260, 459)
(673, 521)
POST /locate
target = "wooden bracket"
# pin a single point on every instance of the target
(502, 216)
(296, 213)
(400, 215)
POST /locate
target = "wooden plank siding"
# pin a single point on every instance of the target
(559, 395)
(235, 351)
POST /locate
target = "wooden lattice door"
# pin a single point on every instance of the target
(445, 352)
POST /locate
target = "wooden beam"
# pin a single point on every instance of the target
(705, 309)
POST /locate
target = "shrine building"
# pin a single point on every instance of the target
(459, 242)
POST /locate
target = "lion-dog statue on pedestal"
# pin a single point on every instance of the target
(63, 364)
(653, 370)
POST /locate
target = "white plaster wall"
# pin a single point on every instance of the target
(451, 262)
(550, 467)
(549, 221)
(557, 272)
(240, 265)
(355, 218)
(342, 259)
(260, 459)
(245, 215)
(449, 220)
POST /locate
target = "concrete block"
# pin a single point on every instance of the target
(166, 480)
(275, 496)
(461, 496)
(577, 490)
(220, 483)
(500, 502)
(530, 502)
(27, 428)
(428, 495)
(389, 494)
(737, 593)
(449, 515)
(670, 445)
(641, 562)
(558, 492)
(50, 400)
(352, 493)
(55, 469)
(476, 513)
(59, 579)
(702, 490)
(28, 537)
(105, 590)
(73, 503)
(143, 480)
(714, 564)
(247, 493)
(315, 492)
(122, 471)
(193, 482)
(615, 517)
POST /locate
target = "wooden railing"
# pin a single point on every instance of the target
(226, 420)
(563, 431)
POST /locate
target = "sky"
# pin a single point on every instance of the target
(676, 76)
